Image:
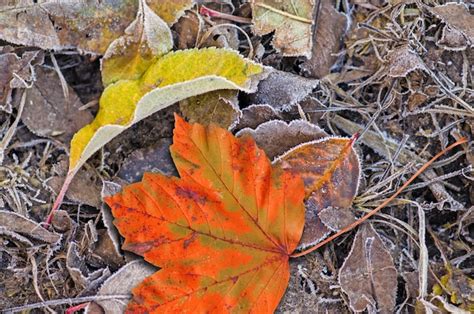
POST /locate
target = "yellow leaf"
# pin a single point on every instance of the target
(176, 76)
(170, 11)
(130, 55)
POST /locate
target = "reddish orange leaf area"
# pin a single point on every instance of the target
(331, 171)
(222, 233)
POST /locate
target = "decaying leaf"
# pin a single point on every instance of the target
(218, 107)
(145, 39)
(89, 27)
(176, 76)
(281, 90)
(57, 25)
(327, 40)
(368, 275)
(49, 113)
(277, 137)
(457, 16)
(121, 283)
(336, 218)
(17, 71)
(84, 278)
(331, 171)
(19, 224)
(85, 188)
(452, 39)
(292, 22)
(254, 115)
(222, 233)
(188, 28)
(403, 60)
(109, 188)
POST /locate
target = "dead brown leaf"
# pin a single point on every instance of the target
(452, 39)
(277, 137)
(330, 169)
(16, 223)
(218, 107)
(336, 218)
(89, 27)
(254, 115)
(403, 60)
(281, 90)
(368, 275)
(17, 71)
(48, 113)
(84, 189)
(457, 16)
(330, 31)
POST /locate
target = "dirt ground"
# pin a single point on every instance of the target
(399, 72)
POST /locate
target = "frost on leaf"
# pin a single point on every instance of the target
(277, 137)
(176, 76)
(222, 233)
(219, 107)
(403, 60)
(368, 275)
(330, 169)
(89, 26)
(292, 22)
(457, 16)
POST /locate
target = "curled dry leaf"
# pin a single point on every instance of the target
(129, 56)
(331, 172)
(368, 275)
(109, 188)
(254, 115)
(327, 40)
(457, 16)
(292, 22)
(16, 223)
(403, 60)
(121, 283)
(84, 278)
(16, 71)
(277, 137)
(281, 90)
(222, 233)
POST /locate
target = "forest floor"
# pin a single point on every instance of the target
(401, 73)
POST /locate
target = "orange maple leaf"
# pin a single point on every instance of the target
(222, 233)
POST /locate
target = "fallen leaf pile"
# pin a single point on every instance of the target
(236, 156)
